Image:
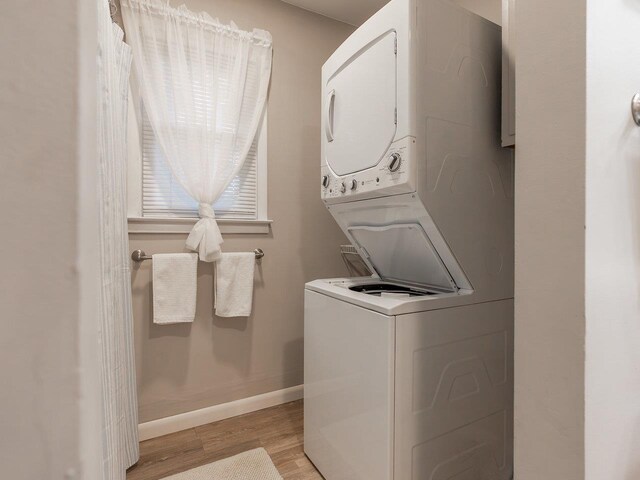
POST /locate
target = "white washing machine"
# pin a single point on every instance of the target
(409, 373)
(402, 388)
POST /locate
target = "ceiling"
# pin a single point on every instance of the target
(353, 12)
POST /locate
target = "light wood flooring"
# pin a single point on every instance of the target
(278, 430)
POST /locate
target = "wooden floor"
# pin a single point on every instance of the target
(278, 430)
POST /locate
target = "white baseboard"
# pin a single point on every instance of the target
(183, 421)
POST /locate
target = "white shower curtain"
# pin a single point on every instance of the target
(120, 417)
(204, 87)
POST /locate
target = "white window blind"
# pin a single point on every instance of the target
(163, 196)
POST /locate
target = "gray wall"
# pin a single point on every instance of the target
(577, 344)
(49, 377)
(186, 367)
(550, 240)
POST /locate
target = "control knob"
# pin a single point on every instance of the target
(325, 181)
(354, 184)
(343, 187)
(394, 163)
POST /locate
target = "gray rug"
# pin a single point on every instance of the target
(252, 465)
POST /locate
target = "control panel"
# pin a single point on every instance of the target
(394, 174)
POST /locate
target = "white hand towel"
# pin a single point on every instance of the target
(234, 284)
(174, 287)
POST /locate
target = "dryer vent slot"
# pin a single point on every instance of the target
(377, 289)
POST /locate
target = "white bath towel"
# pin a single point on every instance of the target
(234, 284)
(175, 278)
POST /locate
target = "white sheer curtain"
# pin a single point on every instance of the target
(204, 87)
(120, 416)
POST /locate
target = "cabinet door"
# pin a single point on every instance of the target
(359, 108)
(508, 73)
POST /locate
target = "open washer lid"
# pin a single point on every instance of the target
(402, 252)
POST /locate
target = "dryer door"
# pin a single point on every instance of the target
(359, 108)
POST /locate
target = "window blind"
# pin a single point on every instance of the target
(163, 196)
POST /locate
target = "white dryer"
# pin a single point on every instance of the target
(409, 374)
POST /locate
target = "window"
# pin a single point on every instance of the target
(163, 197)
(156, 194)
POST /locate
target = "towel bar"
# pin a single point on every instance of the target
(141, 256)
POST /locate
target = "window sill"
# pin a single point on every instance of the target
(184, 225)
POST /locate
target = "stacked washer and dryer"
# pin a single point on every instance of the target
(409, 373)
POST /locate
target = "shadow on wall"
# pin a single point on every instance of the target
(293, 352)
(632, 460)
(225, 352)
(176, 369)
(311, 264)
